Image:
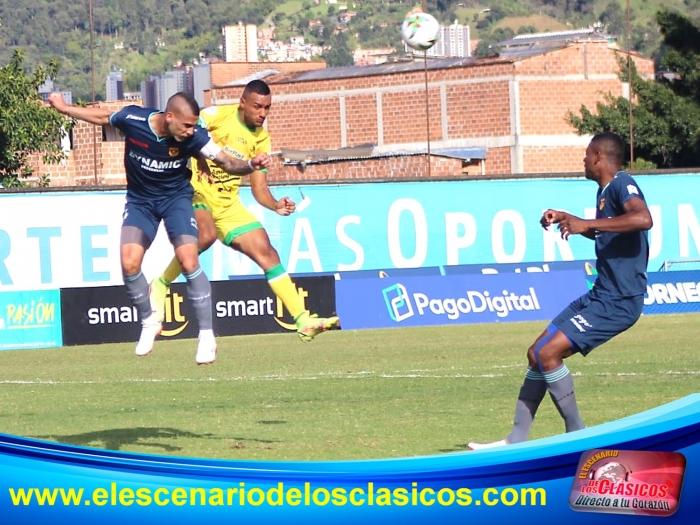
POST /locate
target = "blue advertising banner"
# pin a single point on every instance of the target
(532, 267)
(672, 292)
(346, 228)
(456, 299)
(646, 464)
(421, 224)
(30, 320)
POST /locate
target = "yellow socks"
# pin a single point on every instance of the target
(284, 288)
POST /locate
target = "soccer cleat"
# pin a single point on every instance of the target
(480, 446)
(206, 350)
(150, 328)
(157, 292)
(315, 325)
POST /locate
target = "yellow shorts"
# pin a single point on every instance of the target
(230, 216)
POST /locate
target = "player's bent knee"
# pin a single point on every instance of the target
(206, 241)
(531, 359)
(130, 267)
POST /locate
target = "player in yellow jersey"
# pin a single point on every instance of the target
(237, 128)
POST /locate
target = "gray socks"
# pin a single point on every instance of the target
(199, 293)
(561, 389)
(137, 290)
(531, 394)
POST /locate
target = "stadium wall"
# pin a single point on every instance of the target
(63, 239)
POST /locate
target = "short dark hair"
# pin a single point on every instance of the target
(183, 99)
(259, 87)
(611, 145)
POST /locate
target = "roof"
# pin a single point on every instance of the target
(370, 151)
(521, 46)
(512, 50)
(258, 75)
(272, 76)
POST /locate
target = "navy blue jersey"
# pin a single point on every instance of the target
(155, 167)
(621, 257)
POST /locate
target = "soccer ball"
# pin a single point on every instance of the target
(420, 31)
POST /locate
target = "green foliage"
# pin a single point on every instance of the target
(639, 164)
(25, 126)
(666, 114)
(339, 54)
(682, 38)
(614, 19)
(147, 37)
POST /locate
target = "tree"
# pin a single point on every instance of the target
(25, 126)
(613, 19)
(666, 113)
(339, 54)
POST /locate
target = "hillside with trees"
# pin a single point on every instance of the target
(144, 37)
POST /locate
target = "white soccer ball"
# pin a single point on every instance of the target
(420, 31)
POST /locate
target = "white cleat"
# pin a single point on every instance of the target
(480, 446)
(206, 350)
(150, 328)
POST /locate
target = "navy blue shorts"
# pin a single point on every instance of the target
(174, 210)
(594, 319)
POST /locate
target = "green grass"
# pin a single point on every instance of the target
(347, 395)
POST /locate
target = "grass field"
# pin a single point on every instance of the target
(347, 395)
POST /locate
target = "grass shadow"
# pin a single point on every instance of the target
(116, 438)
(457, 448)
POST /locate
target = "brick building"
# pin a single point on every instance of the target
(512, 107)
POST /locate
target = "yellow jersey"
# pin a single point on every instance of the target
(236, 139)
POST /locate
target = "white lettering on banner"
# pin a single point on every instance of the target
(71, 239)
(519, 236)
(477, 302)
(528, 269)
(245, 308)
(302, 228)
(350, 243)
(672, 293)
(394, 233)
(454, 241)
(112, 315)
(688, 223)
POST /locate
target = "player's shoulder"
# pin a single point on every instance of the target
(626, 184)
(134, 114)
(137, 113)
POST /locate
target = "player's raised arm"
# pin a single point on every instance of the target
(97, 116)
(231, 165)
(262, 194)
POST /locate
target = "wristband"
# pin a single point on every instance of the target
(250, 165)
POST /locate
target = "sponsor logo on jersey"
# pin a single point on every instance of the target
(150, 164)
(138, 143)
(135, 117)
(234, 153)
